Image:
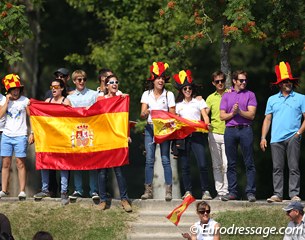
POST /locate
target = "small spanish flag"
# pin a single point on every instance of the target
(169, 126)
(175, 215)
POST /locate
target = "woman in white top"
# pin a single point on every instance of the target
(191, 108)
(156, 98)
(206, 228)
(15, 134)
(111, 89)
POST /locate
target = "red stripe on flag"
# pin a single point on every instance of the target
(185, 128)
(107, 105)
(176, 214)
(82, 161)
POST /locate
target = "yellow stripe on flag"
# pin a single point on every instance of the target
(105, 131)
(176, 214)
(166, 126)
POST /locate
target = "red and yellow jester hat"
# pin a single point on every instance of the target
(283, 72)
(11, 81)
(183, 78)
(158, 70)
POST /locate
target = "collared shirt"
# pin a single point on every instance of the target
(286, 114)
(164, 102)
(213, 102)
(84, 98)
(295, 231)
(191, 110)
(244, 99)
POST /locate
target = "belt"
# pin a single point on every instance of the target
(239, 126)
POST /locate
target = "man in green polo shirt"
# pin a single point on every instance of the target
(216, 135)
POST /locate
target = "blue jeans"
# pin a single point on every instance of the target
(150, 147)
(78, 181)
(102, 179)
(64, 174)
(194, 143)
(243, 137)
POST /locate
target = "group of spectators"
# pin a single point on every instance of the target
(231, 112)
(228, 113)
(14, 109)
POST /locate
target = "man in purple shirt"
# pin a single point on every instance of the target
(238, 109)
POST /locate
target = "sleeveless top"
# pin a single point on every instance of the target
(206, 231)
(61, 101)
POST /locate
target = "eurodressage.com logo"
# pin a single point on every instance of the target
(236, 230)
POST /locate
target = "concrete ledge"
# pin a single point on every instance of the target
(154, 204)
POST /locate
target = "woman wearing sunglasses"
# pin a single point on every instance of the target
(191, 108)
(59, 94)
(156, 98)
(206, 228)
(111, 89)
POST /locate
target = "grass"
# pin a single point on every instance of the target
(83, 221)
(259, 218)
(74, 221)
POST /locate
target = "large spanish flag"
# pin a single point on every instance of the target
(69, 138)
(170, 126)
(176, 214)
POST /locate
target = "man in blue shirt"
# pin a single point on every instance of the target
(83, 97)
(284, 112)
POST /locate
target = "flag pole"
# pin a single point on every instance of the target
(179, 229)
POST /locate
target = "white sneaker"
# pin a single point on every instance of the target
(206, 196)
(296, 199)
(185, 194)
(3, 194)
(22, 195)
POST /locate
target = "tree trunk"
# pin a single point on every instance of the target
(28, 72)
(158, 182)
(225, 65)
(28, 69)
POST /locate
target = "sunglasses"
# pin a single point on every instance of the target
(242, 80)
(219, 81)
(288, 212)
(60, 76)
(187, 88)
(113, 82)
(204, 211)
(81, 79)
(286, 81)
(55, 87)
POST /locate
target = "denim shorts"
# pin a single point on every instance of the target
(14, 144)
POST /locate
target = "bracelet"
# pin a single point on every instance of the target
(298, 133)
(263, 138)
(32, 132)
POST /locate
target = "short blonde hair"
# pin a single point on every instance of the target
(78, 73)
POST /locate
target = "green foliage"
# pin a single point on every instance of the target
(259, 219)
(277, 24)
(284, 26)
(135, 38)
(14, 29)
